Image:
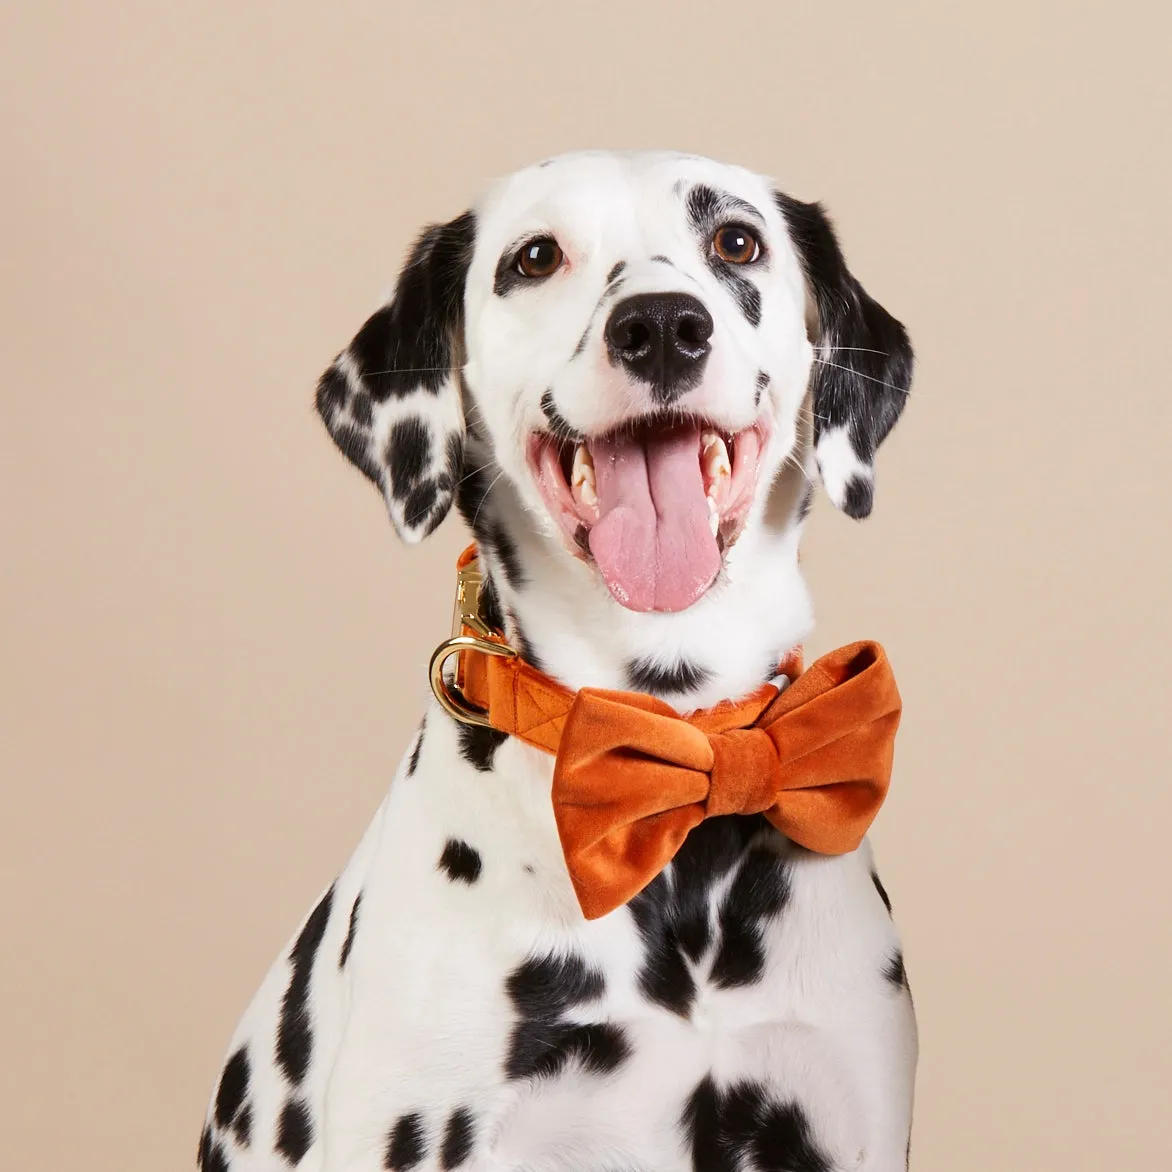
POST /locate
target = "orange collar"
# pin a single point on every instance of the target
(632, 777)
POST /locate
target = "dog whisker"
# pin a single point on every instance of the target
(477, 471)
(812, 414)
(410, 370)
(859, 349)
(487, 493)
(868, 377)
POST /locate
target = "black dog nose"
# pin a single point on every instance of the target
(662, 339)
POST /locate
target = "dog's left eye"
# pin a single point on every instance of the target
(735, 244)
(539, 258)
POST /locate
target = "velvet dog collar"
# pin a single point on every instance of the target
(632, 777)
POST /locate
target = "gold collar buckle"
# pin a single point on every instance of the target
(466, 617)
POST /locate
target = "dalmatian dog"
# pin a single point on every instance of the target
(627, 371)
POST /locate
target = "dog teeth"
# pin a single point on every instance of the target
(582, 482)
(714, 457)
(716, 469)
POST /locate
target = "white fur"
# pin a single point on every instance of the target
(839, 463)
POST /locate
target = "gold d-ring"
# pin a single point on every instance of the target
(450, 699)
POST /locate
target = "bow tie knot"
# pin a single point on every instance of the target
(744, 773)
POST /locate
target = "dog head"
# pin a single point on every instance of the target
(622, 349)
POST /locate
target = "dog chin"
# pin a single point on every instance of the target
(653, 505)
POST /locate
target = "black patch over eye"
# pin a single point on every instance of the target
(539, 258)
(736, 245)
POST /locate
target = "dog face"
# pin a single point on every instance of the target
(628, 340)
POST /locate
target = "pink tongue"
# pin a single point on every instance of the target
(652, 541)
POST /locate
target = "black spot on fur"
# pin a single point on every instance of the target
(759, 893)
(506, 553)
(354, 443)
(645, 675)
(665, 977)
(744, 292)
(210, 1157)
(454, 457)
(742, 1127)
(703, 1128)
(547, 986)
(408, 455)
(582, 340)
(294, 1030)
(242, 1126)
(361, 410)
(457, 1145)
(461, 861)
(615, 272)
(421, 503)
(413, 760)
(472, 495)
(490, 606)
(882, 891)
(806, 503)
(858, 497)
(348, 943)
(703, 204)
(406, 1145)
(542, 990)
(294, 1131)
(527, 653)
(558, 425)
(762, 382)
(895, 971)
(599, 1048)
(333, 388)
(673, 913)
(708, 208)
(233, 1088)
(478, 745)
(216, 1159)
(783, 1141)
(659, 258)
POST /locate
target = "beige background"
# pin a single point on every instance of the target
(213, 649)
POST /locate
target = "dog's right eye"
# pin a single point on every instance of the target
(539, 258)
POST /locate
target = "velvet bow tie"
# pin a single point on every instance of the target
(632, 777)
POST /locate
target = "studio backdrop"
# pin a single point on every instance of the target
(213, 649)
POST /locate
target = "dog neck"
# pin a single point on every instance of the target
(557, 613)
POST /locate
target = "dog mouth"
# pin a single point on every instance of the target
(656, 506)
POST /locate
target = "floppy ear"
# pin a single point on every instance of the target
(391, 399)
(862, 362)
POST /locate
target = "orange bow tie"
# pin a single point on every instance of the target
(632, 777)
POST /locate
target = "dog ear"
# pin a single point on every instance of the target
(391, 399)
(862, 362)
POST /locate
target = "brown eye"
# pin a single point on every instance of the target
(539, 258)
(736, 245)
